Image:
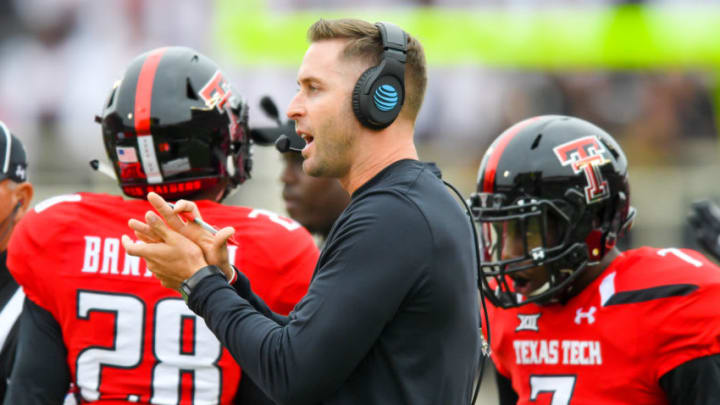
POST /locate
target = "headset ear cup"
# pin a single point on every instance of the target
(357, 104)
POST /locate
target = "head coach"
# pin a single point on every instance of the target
(391, 314)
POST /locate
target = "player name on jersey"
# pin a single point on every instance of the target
(572, 352)
(102, 256)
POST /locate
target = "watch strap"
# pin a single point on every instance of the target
(189, 284)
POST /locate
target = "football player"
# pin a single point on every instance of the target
(96, 317)
(574, 320)
(15, 195)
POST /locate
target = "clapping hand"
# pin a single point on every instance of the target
(175, 249)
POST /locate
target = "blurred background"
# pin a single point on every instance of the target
(646, 71)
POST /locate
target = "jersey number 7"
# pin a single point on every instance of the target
(561, 387)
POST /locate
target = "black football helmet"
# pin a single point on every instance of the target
(558, 186)
(175, 126)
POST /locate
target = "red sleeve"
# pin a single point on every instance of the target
(686, 326)
(689, 328)
(33, 237)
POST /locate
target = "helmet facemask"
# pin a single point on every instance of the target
(564, 179)
(522, 241)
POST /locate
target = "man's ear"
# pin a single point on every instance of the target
(24, 194)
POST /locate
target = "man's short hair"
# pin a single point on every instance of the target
(365, 43)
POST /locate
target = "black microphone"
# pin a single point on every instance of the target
(267, 135)
(268, 106)
(282, 144)
(101, 167)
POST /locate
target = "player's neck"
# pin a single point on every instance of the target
(594, 271)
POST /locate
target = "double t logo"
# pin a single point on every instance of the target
(586, 154)
(216, 93)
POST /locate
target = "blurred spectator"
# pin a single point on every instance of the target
(8, 20)
(704, 221)
(72, 50)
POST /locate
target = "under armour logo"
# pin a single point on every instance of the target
(528, 322)
(589, 315)
(20, 172)
(538, 254)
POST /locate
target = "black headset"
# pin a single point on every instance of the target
(380, 91)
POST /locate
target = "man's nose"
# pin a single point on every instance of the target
(296, 108)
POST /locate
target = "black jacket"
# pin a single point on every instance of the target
(390, 316)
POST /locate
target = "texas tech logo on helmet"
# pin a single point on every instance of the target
(216, 93)
(586, 154)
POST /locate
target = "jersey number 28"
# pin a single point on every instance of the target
(127, 350)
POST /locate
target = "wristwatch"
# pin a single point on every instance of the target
(187, 286)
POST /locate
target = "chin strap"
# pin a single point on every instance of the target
(541, 289)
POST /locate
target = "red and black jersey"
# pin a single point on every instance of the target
(128, 338)
(649, 312)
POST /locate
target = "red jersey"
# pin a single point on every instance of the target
(650, 311)
(128, 338)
